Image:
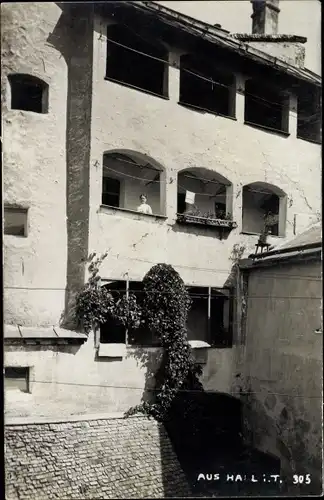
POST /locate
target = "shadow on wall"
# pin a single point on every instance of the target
(205, 430)
(72, 38)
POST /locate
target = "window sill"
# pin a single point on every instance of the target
(144, 91)
(258, 234)
(268, 129)
(152, 348)
(107, 209)
(313, 141)
(20, 236)
(204, 110)
(111, 350)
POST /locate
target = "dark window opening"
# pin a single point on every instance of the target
(132, 67)
(111, 192)
(210, 316)
(181, 203)
(28, 93)
(265, 107)
(141, 336)
(211, 91)
(16, 377)
(309, 116)
(220, 210)
(261, 211)
(113, 331)
(15, 221)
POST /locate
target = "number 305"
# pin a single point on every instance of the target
(301, 479)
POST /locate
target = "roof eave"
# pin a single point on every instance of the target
(220, 37)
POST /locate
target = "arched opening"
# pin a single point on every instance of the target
(28, 93)
(264, 208)
(129, 174)
(204, 193)
(136, 62)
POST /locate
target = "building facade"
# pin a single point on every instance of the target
(97, 113)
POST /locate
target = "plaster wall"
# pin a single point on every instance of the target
(289, 52)
(72, 380)
(117, 117)
(153, 126)
(282, 364)
(34, 173)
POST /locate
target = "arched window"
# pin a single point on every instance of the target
(264, 208)
(136, 62)
(204, 193)
(127, 175)
(28, 93)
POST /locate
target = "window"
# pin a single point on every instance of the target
(141, 336)
(28, 93)
(16, 377)
(15, 221)
(212, 91)
(113, 331)
(309, 116)
(210, 316)
(111, 192)
(264, 209)
(212, 193)
(133, 66)
(129, 174)
(266, 107)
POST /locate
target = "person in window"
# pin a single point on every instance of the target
(144, 208)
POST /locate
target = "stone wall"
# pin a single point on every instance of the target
(282, 366)
(106, 458)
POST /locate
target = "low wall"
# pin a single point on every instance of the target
(72, 380)
(91, 457)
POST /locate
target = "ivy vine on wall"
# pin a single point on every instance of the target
(95, 305)
(164, 312)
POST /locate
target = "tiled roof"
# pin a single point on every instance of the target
(53, 333)
(310, 236)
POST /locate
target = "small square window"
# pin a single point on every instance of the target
(15, 221)
(28, 93)
(16, 377)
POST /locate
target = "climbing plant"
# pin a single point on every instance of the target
(165, 309)
(95, 304)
